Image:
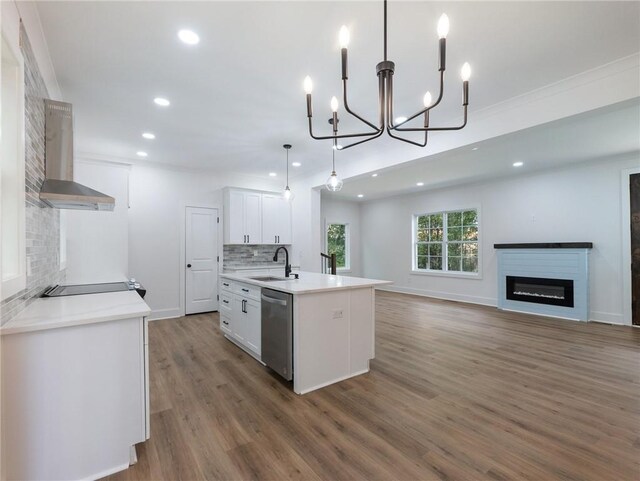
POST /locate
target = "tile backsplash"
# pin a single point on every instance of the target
(251, 255)
(42, 223)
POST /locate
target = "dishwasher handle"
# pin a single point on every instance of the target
(273, 300)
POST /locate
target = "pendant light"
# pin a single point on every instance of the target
(334, 183)
(287, 194)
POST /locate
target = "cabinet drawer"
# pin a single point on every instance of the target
(247, 290)
(225, 324)
(226, 285)
(226, 300)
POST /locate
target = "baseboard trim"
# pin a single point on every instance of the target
(447, 296)
(328, 383)
(594, 316)
(608, 318)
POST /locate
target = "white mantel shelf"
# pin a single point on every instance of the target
(56, 312)
(310, 282)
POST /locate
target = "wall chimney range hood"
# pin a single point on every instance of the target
(59, 190)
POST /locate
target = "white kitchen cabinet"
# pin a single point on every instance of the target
(253, 217)
(240, 314)
(243, 217)
(74, 399)
(276, 220)
(252, 319)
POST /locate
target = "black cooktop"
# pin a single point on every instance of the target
(79, 289)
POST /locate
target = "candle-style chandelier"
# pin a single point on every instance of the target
(386, 121)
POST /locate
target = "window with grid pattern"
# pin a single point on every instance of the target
(446, 241)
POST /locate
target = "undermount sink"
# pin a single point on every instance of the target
(268, 278)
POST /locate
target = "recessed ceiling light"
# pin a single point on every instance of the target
(140, 153)
(189, 37)
(162, 102)
(420, 184)
(272, 174)
(401, 119)
(360, 196)
(518, 164)
(475, 148)
(296, 164)
(374, 175)
(149, 135)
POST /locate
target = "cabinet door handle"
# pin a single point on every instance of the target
(225, 301)
(278, 237)
(225, 322)
(244, 306)
(245, 290)
(225, 284)
(275, 239)
(248, 239)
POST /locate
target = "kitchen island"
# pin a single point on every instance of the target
(333, 323)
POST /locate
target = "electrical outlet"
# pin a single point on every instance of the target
(337, 314)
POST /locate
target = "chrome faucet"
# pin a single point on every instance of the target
(287, 266)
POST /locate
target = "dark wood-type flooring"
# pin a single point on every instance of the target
(456, 392)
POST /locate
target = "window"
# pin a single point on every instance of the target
(12, 186)
(446, 241)
(338, 244)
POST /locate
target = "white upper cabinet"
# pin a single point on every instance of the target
(253, 217)
(243, 217)
(276, 220)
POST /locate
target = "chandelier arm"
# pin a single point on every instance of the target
(430, 129)
(348, 109)
(375, 136)
(418, 144)
(426, 109)
(343, 136)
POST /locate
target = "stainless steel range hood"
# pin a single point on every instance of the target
(59, 190)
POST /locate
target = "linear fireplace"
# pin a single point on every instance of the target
(541, 290)
(550, 279)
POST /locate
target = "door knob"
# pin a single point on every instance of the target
(188, 265)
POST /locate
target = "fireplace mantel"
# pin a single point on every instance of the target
(546, 245)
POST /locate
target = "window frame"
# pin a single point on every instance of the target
(445, 273)
(18, 281)
(347, 244)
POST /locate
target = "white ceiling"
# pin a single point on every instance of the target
(604, 133)
(237, 96)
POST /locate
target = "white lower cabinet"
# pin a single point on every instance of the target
(240, 314)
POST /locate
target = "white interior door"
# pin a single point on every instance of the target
(201, 256)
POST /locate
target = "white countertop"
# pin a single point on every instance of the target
(310, 282)
(55, 312)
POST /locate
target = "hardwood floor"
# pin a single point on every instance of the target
(456, 392)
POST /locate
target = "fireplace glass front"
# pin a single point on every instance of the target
(555, 292)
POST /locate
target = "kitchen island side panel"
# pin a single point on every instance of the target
(333, 335)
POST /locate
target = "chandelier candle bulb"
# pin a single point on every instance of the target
(443, 26)
(426, 100)
(334, 104)
(308, 85)
(344, 37)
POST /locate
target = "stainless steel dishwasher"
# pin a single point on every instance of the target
(277, 332)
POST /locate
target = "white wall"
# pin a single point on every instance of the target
(158, 197)
(97, 242)
(336, 211)
(580, 203)
(144, 236)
